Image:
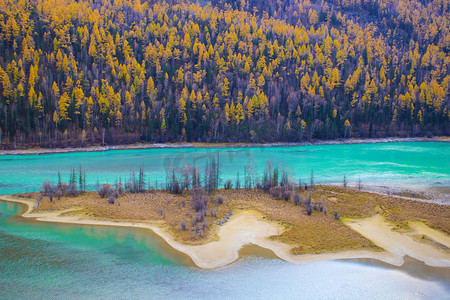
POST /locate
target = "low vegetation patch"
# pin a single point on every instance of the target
(192, 207)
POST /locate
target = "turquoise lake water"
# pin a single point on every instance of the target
(45, 261)
(416, 165)
(48, 261)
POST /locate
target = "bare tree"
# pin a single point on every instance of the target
(48, 190)
(59, 178)
(212, 178)
(187, 176)
(195, 177)
(172, 183)
(284, 176)
(132, 184)
(73, 176)
(250, 173)
(81, 179)
(141, 182)
(238, 181)
(268, 177)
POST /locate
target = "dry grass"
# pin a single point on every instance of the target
(353, 203)
(160, 208)
(307, 234)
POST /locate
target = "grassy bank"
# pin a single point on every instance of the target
(319, 232)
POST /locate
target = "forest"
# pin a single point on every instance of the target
(86, 72)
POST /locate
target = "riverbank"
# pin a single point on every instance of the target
(99, 148)
(370, 230)
(425, 194)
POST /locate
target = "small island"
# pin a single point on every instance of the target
(297, 222)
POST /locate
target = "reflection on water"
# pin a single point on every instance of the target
(39, 260)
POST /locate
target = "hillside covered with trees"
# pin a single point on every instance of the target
(77, 73)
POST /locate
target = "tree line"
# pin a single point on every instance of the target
(78, 73)
(276, 180)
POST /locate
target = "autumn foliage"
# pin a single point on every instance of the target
(95, 72)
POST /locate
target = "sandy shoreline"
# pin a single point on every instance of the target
(213, 145)
(247, 227)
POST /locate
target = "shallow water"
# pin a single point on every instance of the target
(410, 165)
(43, 260)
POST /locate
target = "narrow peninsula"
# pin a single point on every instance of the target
(298, 224)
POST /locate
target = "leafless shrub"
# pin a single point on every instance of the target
(276, 192)
(309, 209)
(120, 189)
(219, 199)
(286, 195)
(228, 185)
(59, 194)
(308, 199)
(62, 190)
(199, 200)
(161, 212)
(336, 215)
(298, 199)
(225, 218)
(105, 190)
(111, 200)
(72, 190)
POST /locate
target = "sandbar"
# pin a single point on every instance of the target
(247, 227)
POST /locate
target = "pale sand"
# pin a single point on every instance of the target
(247, 227)
(431, 233)
(380, 232)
